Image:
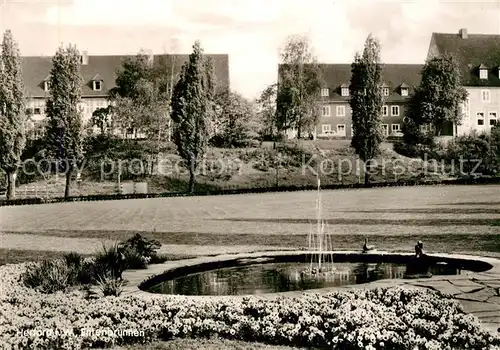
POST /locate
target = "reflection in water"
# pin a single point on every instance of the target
(283, 277)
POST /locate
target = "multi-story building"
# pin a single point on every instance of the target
(335, 120)
(478, 56)
(99, 75)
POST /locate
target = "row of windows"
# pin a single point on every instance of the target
(340, 111)
(89, 107)
(96, 85)
(344, 91)
(327, 128)
(492, 118)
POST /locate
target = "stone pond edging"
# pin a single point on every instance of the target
(478, 292)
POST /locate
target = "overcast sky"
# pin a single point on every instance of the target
(250, 31)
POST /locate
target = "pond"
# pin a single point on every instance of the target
(284, 277)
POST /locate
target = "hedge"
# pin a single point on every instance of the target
(274, 189)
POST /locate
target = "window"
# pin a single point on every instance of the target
(385, 129)
(341, 128)
(385, 91)
(426, 128)
(340, 111)
(485, 95)
(404, 91)
(344, 91)
(97, 85)
(325, 92)
(37, 110)
(385, 111)
(493, 118)
(326, 128)
(395, 110)
(465, 108)
(46, 85)
(480, 118)
(325, 111)
(483, 74)
(395, 128)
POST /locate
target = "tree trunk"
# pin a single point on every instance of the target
(191, 176)
(11, 185)
(367, 173)
(68, 182)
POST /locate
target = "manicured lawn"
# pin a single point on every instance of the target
(447, 218)
(10, 256)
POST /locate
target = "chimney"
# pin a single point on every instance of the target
(463, 33)
(85, 58)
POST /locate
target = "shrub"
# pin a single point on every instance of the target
(110, 285)
(48, 276)
(474, 154)
(110, 260)
(139, 250)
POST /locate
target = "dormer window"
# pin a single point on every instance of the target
(97, 83)
(385, 91)
(483, 72)
(46, 83)
(404, 89)
(325, 92)
(344, 90)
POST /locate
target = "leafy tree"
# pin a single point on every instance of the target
(65, 126)
(12, 118)
(366, 103)
(267, 111)
(142, 94)
(299, 86)
(191, 109)
(438, 99)
(101, 118)
(132, 70)
(235, 120)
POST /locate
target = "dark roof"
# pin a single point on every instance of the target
(471, 53)
(393, 75)
(37, 68)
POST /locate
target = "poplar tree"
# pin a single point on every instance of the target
(192, 108)
(12, 108)
(366, 102)
(65, 125)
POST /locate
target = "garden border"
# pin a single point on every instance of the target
(462, 181)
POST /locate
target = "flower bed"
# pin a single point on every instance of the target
(384, 318)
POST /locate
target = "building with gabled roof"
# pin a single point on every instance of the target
(478, 56)
(335, 120)
(99, 73)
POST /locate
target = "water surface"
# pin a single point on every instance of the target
(283, 277)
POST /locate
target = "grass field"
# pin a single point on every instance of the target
(447, 218)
